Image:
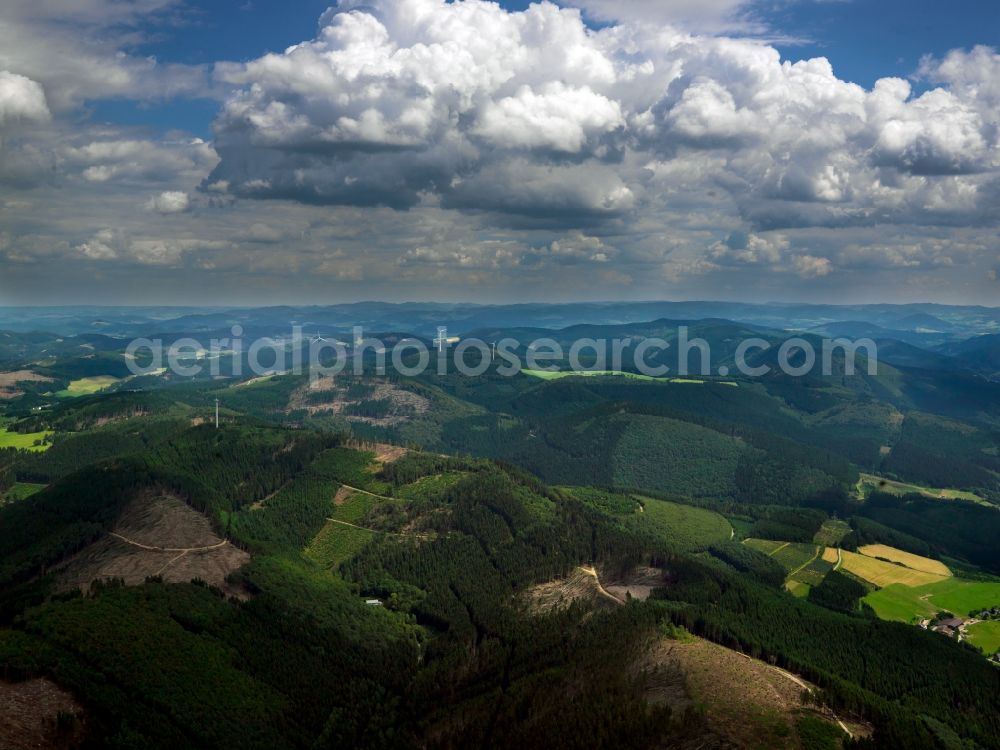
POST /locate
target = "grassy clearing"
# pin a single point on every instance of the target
(882, 574)
(546, 375)
(351, 467)
(336, 543)
(683, 526)
(908, 603)
(742, 527)
(971, 596)
(86, 386)
(794, 556)
(985, 636)
(832, 532)
(428, 488)
(914, 562)
(900, 603)
(22, 490)
(354, 508)
(813, 572)
(805, 564)
(869, 483)
(24, 441)
(798, 588)
(767, 546)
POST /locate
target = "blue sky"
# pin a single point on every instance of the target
(864, 39)
(870, 39)
(834, 150)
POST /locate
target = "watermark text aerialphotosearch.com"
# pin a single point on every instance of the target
(648, 356)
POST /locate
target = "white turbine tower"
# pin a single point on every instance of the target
(442, 338)
(216, 413)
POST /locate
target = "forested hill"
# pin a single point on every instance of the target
(521, 560)
(286, 652)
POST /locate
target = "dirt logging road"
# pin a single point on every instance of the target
(600, 587)
(591, 571)
(185, 550)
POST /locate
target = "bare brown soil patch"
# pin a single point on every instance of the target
(157, 535)
(29, 716)
(385, 453)
(580, 586)
(403, 404)
(253, 381)
(124, 416)
(388, 454)
(343, 495)
(10, 380)
(589, 585)
(163, 520)
(638, 584)
(746, 701)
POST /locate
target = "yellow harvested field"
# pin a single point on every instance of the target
(883, 573)
(914, 562)
(830, 554)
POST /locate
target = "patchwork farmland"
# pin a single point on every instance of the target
(880, 565)
(914, 562)
(882, 573)
(806, 565)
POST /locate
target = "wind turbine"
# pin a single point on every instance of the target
(442, 338)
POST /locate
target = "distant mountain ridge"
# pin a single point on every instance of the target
(423, 317)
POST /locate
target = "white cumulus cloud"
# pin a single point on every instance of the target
(442, 142)
(169, 202)
(401, 102)
(21, 99)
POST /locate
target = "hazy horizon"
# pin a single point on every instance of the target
(469, 303)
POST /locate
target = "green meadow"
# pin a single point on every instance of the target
(556, 375)
(869, 483)
(906, 604)
(23, 490)
(24, 441)
(985, 636)
(86, 386)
